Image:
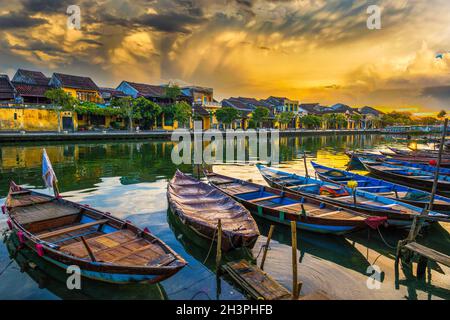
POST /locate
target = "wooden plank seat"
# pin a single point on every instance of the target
(265, 198)
(72, 228)
(26, 199)
(42, 211)
(301, 186)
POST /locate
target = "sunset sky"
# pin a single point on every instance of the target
(308, 50)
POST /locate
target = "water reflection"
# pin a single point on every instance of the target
(129, 180)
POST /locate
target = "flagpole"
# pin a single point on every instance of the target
(56, 189)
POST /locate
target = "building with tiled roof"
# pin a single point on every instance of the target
(30, 77)
(7, 90)
(82, 88)
(283, 104)
(31, 86)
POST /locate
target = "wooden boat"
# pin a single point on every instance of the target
(424, 153)
(410, 177)
(283, 207)
(105, 248)
(415, 197)
(357, 157)
(199, 206)
(399, 214)
(445, 163)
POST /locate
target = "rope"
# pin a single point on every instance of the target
(261, 249)
(387, 244)
(7, 266)
(201, 291)
(210, 247)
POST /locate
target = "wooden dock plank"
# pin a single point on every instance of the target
(429, 253)
(257, 283)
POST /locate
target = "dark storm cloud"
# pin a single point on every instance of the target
(438, 92)
(18, 20)
(46, 6)
(170, 22)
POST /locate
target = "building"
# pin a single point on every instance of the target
(82, 88)
(246, 106)
(7, 91)
(371, 117)
(204, 106)
(108, 94)
(31, 87)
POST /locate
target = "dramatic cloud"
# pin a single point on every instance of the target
(310, 50)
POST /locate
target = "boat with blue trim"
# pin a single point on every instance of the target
(283, 207)
(399, 214)
(105, 248)
(415, 197)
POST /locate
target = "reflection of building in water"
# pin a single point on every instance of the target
(13, 157)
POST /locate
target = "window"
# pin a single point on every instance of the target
(15, 116)
(79, 117)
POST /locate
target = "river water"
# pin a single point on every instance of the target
(129, 180)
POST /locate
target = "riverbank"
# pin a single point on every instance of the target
(146, 135)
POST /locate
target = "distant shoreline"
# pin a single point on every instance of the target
(14, 137)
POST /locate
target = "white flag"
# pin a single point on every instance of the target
(47, 171)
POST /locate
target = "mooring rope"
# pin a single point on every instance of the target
(212, 242)
(382, 238)
(7, 266)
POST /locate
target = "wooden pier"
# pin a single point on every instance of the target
(257, 283)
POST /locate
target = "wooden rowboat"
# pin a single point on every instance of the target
(415, 197)
(409, 177)
(105, 248)
(282, 207)
(399, 214)
(199, 206)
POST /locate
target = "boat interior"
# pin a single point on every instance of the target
(84, 233)
(260, 196)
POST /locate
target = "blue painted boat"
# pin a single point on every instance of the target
(355, 159)
(279, 206)
(399, 214)
(409, 177)
(105, 248)
(391, 190)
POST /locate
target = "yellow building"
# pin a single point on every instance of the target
(19, 118)
(82, 88)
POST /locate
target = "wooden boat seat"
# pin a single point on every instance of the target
(301, 186)
(72, 228)
(22, 199)
(264, 199)
(42, 212)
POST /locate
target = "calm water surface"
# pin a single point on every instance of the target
(129, 180)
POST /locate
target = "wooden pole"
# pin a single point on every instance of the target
(306, 166)
(55, 188)
(266, 248)
(294, 260)
(88, 249)
(219, 245)
(417, 223)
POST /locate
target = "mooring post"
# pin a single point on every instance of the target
(219, 246)
(266, 247)
(306, 166)
(418, 225)
(295, 287)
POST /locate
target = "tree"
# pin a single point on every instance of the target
(396, 118)
(182, 112)
(428, 121)
(172, 92)
(147, 109)
(260, 114)
(60, 100)
(227, 115)
(356, 118)
(442, 114)
(311, 121)
(284, 118)
(127, 108)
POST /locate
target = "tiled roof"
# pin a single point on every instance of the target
(35, 77)
(7, 91)
(27, 90)
(76, 82)
(148, 90)
(111, 92)
(370, 110)
(201, 111)
(310, 107)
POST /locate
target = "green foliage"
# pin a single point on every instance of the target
(172, 91)
(335, 120)
(126, 106)
(227, 115)
(182, 112)
(60, 98)
(311, 121)
(260, 114)
(148, 110)
(442, 114)
(428, 121)
(93, 109)
(285, 117)
(396, 118)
